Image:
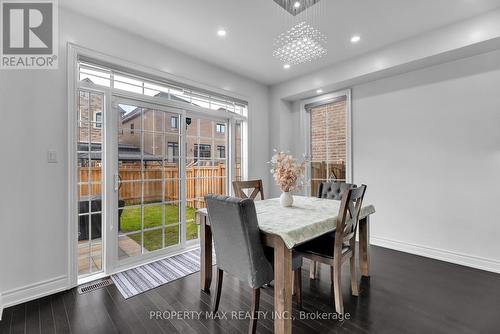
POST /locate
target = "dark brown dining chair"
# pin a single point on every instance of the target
(254, 185)
(239, 249)
(329, 190)
(334, 249)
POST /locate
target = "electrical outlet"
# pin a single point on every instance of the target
(52, 156)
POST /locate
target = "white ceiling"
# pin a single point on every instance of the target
(191, 27)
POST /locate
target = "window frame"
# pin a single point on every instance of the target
(220, 128)
(197, 150)
(75, 55)
(95, 123)
(174, 122)
(175, 148)
(305, 120)
(220, 149)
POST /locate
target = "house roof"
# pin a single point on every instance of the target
(126, 152)
(136, 112)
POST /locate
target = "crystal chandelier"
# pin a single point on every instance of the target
(301, 43)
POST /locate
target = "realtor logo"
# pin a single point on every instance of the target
(29, 34)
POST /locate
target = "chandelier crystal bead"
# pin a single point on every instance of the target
(301, 43)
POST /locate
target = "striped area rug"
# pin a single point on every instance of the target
(149, 276)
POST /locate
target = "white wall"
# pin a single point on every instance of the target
(1, 261)
(462, 39)
(427, 144)
(33, 109)
(1, 305)
(430, 128)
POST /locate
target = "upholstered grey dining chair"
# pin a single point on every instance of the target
(333, 190)
(334, 249)
(329, 190)
(239, 249)
(254, 188)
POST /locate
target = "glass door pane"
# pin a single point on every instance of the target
(148, 190)
(90, 175)
(328, 143)
(238, 172)
(206, 161)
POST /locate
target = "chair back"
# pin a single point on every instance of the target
(333, 190)
(348, 217)
(254, 185)
(236, 235)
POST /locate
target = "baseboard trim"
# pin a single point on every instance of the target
(1, 306)
(34, 291)
(439, 254)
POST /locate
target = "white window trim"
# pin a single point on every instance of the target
(305, 120)
(74, 52)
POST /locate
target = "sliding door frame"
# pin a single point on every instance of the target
(110, 258)
(305, 119)
(119, 265)
(166, 106)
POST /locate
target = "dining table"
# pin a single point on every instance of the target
(284, 228)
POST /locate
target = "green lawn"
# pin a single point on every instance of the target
(131, 221)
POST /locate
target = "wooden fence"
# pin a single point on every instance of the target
(322, 171)
(199, 181)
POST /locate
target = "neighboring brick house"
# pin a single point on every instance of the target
(210, 144)
(90, 106)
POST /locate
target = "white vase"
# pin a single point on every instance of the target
(286, 199)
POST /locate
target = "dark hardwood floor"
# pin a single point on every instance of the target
(406, 294)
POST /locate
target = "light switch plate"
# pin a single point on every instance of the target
(52, 156)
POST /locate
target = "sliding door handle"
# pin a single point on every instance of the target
(117, 182)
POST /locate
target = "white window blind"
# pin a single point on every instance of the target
(108, 77)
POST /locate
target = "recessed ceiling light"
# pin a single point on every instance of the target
(221, 32)
(319, 91)
(355, 39)
(296, 4)
(286, 66)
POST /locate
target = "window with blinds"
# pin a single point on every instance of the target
(328, 140)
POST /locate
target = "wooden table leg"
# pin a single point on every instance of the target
(282, 288)
(364, 246)
(312, 269)
(206, 254)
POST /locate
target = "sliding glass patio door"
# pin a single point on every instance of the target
(89, 174)
(206, 147)
(146, 152)
(147, 179)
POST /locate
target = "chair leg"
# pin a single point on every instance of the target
(218, 289)
(298, 286)
(255, 309)
(337, 287)
(313, 269)
(354, 276)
